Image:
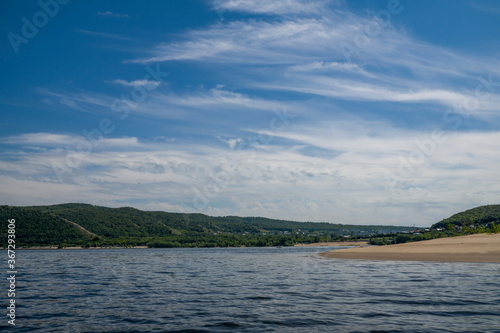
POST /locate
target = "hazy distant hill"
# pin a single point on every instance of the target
(479, 216)
(77, 224)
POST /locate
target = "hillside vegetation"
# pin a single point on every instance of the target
(483, 219)
(482, 216)
(87, 225)
(37, 228)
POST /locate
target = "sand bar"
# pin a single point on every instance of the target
(472, 248)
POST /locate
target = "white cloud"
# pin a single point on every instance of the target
(254, 42)
(149, 84)
(231, 143)
(350, 89)
(308, 54)
(43, 139)
(319, 168)
(279, 7)
(215, 99)
(279, 181)
(322, 66)
(216, 108)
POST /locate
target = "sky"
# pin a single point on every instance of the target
(359, 112)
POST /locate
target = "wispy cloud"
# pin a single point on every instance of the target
(86, 101)
(491, 8)
(62, 141)
(279, 181)
(393, 67)
(41, 139)
(356, 118)
(112, 14)
(254, 41)
(322, 66)
(138, 83)
(352, 89)
(208, 106)
(271, 7)
(103, 34)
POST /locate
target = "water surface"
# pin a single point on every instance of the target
(249, 290)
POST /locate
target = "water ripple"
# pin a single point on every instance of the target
(249, 290)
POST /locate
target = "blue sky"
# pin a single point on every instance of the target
(363, 112)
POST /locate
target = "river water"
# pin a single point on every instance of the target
(248, 290)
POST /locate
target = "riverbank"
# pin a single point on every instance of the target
(78, 248)
(472, 248)
(352, 243)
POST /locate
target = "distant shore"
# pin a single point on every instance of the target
(472, 248)
(351, 243)
(78, 248)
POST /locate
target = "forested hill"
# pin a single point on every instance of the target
(481, 216)
(83, 224)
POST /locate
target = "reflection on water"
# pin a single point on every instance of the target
(249, 290)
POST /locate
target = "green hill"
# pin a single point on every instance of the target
(479, 216)
(37, 228)
(484, 219)
(88, 225)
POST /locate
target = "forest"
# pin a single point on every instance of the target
(481, 216)
(483, 219)
(87, 225)
(84, 225)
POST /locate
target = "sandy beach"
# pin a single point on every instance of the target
(472, 248)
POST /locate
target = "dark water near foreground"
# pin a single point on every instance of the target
(249, 290)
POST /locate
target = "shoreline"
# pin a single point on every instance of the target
(351, 243)
(34, 248)
(319, 244)
(472, 248)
